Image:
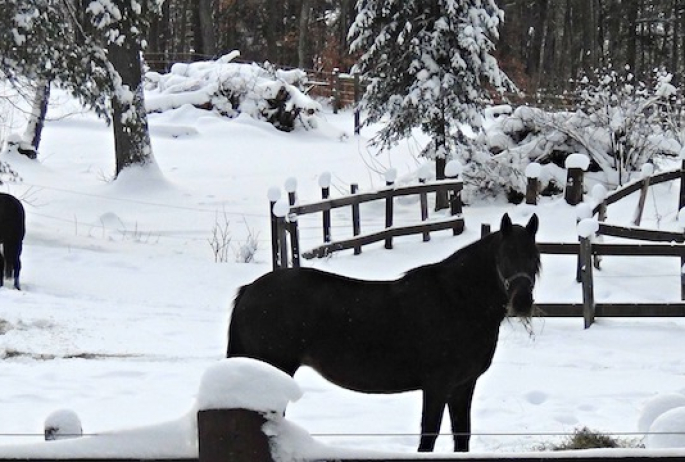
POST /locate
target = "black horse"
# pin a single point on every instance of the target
(12, 231)
(435, 329)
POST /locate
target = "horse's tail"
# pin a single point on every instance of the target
(235, 347)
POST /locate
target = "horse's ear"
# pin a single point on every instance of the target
(532, 226)
(505, 227)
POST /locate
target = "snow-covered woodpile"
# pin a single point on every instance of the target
(231, 88)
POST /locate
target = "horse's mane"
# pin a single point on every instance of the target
(472, 250)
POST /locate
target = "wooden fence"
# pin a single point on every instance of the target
(589, 256)
(237, 435)
(249, 444)
(284, 222)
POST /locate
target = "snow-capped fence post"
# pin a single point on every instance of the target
(390, 177)
(280, 210)
(587, 228)
(356, 227)
(237, 399)
(575, 164)
(646, 173)
(453, 169)
(336, 90)
(599, 193)
(424, 173)
(274, 195)
(357, 111)
(583, 212)
(325, 185)
(291, 188)
(533, 171)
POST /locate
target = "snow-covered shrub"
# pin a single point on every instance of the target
(619, 124)
(230, 88)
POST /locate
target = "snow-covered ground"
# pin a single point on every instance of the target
(124, 307)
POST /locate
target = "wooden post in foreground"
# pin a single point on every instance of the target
(233, 435)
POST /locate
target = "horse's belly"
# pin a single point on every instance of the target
(360, 373)
(370, 383)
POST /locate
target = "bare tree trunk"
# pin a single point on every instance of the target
(544, 29)
(206, 16)
(129, 119)
(303, 33)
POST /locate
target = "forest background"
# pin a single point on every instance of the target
(544, 45)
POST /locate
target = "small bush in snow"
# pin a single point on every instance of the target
(584, 438)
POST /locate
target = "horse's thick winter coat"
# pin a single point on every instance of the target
(435, 329)
(12, 231)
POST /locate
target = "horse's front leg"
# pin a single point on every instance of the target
(459, 405)
(433, 408)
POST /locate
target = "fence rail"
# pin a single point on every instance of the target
(284, 225)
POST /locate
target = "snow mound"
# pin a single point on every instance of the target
(243, 383)
(668, 430)
(656, 406)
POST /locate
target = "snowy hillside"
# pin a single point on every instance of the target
(124, 307)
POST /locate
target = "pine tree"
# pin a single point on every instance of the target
(428, 64)
(91, 48)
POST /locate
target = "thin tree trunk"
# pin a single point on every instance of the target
(206, 16)
(303, 34)
(36, 120)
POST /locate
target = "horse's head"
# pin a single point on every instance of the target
(518, 263)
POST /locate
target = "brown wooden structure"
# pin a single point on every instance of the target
(286, 227)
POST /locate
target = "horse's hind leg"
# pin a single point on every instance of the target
(459, 405)
(433, 409)
(2, 269)
(13, 263)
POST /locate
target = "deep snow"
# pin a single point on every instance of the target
(124, 308)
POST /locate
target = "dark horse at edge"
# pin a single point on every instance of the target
(12, 231)
(435, 329)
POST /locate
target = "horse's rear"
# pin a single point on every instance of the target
(12, 231)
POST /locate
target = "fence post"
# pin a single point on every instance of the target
(424, 174)
(575, 164)
(452, 171)
(232, 435)
(647, 171)
(390, 177)
(336, 90)
(599, 194)
(356, 228)
(280, 210)
(357, 111)
(484, 229)
(325, 185)
(586, 229)
(681, 222)
(291, 188)
(274, 195)
(533, 171)
(583, 212)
